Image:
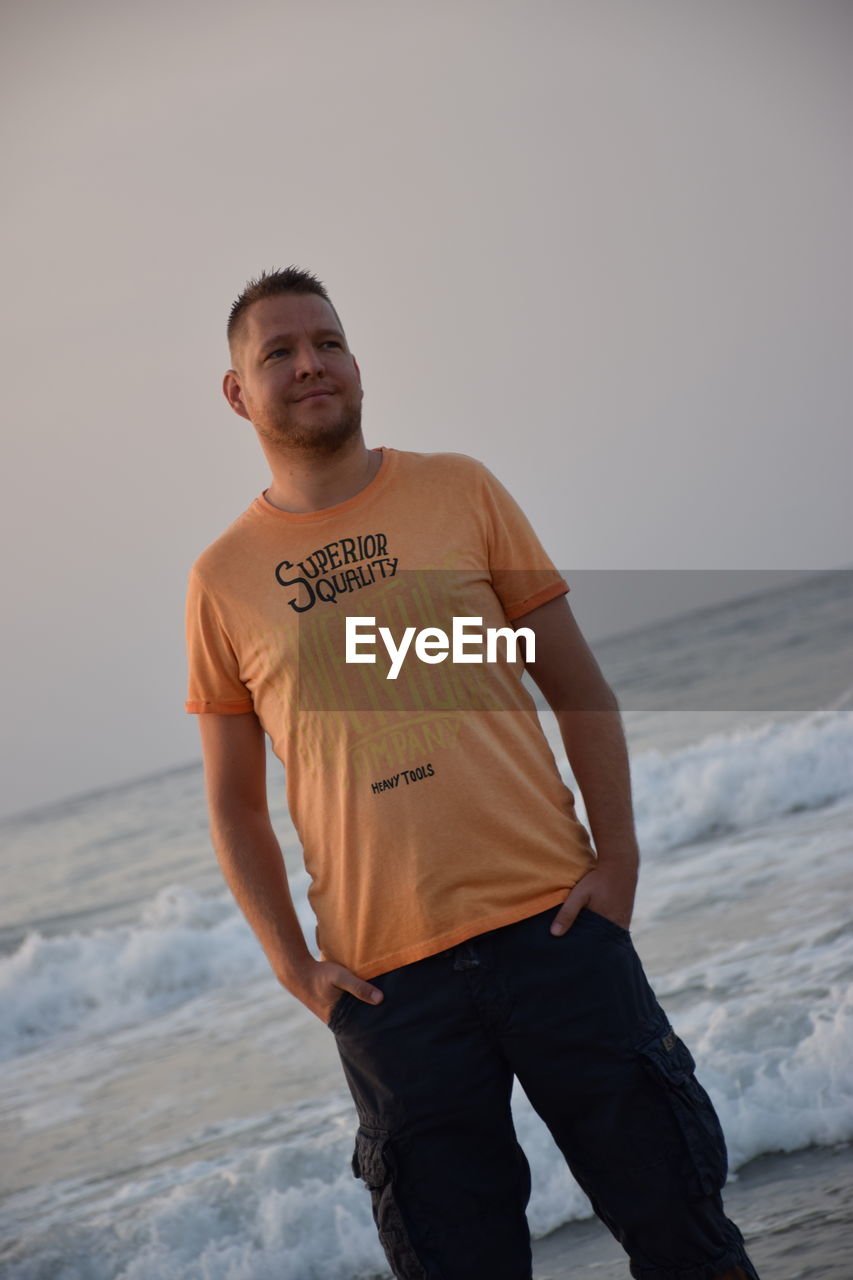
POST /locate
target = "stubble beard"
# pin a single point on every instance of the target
(320, 441)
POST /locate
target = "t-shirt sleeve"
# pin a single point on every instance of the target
(214, 683)
(523, 575)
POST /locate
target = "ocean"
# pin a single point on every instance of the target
(168, 1110)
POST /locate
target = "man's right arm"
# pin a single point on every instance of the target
(252, 862)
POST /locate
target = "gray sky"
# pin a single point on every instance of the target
(602, 245)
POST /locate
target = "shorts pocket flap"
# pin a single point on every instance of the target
(672, 1064)
(368, 1158)
(670, 1055)
(373, 1162)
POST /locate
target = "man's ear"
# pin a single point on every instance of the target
(358, 371)
(234, 395)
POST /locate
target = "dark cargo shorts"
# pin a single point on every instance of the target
(431, 1068)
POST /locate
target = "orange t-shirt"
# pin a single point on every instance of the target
(430, 808)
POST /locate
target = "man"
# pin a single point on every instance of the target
(469, 932)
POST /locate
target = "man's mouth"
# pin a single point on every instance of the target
(310, 395)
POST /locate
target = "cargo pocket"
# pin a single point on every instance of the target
(373, 1162)
(671, 1064)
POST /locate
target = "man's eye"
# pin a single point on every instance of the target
(278, 351)
(330, 342)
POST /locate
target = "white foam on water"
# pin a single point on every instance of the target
(81, 984)
(774, 1052)
(243, 1218)
(289, 1209)
(730, 781)
(91, 982)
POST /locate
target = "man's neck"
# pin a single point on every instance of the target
(303, 484)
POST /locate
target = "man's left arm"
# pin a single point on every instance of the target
(591, 728)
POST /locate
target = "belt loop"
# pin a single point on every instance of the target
(466, 955)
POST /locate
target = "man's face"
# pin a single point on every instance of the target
(297, 381)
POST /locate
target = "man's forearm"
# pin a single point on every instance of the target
(253, 866)
(597, 752)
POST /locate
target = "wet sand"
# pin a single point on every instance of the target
(795, 1212)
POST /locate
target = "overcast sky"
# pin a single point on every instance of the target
(603, 245)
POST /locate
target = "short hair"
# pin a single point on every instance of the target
(271, 284)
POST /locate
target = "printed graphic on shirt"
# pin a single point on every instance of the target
(405, 623)
(420, 714)
(379, 749)
(404, 778)
(336, 570)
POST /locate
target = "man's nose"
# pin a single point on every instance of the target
(309, 362)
